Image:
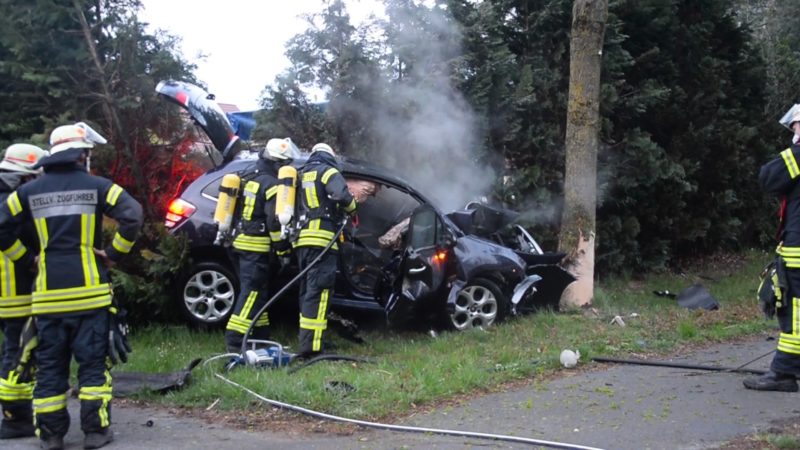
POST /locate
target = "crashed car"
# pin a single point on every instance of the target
(469, 268)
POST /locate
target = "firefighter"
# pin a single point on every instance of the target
(323, 197)
(16, 394)
(72, 298)
(259, 233)
(781, 177)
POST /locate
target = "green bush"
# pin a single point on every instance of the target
(143, 284)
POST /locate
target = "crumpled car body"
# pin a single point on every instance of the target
(405, 257)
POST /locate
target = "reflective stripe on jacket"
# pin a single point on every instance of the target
(66, 206)
(259, 226)
(16, 280)
(323, 196)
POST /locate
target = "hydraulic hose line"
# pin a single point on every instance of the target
(386, 426)
(290, 284)
(642, 362)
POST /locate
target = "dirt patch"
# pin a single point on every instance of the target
(781, 435)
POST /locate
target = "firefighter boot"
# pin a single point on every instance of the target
(17, 421)
(52, 443)
(98, 439)
(772, 381)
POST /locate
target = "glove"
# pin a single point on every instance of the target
(24, 363)
(770, 290)
(118, 346)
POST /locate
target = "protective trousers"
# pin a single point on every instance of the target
(787, 357)
(15, 396)
(254, 281)
(84, 336)
(315, 290)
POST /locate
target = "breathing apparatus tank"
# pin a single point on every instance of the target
(285, 198)
(226, 205)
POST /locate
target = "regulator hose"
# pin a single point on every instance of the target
(387, 426)
(290, 284)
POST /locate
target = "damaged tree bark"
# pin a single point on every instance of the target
(583, 127)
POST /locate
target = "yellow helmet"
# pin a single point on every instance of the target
(22, 158)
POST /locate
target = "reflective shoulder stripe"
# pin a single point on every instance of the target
(14, 204)
(328, 174)
(271, 192)
(113, 194)
(791, 163)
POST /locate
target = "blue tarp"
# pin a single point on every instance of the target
(243, 123)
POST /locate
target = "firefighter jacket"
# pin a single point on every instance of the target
(66, 206)
(323, 195)
(258, 223)
(781, 177)
(15, 280)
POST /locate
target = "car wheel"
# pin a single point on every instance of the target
(208, 294)
(478, 305)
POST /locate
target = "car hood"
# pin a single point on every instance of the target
(205, 111)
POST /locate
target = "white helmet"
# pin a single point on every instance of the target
(322, 147)
(280, 149)
(22, 158)
(78, 135)
(791, 116)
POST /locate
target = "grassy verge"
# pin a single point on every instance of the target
(416, 370)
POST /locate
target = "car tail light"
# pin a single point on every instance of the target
(178, 211)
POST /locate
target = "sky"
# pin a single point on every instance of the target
(243, 42)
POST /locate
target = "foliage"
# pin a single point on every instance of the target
(143, 285)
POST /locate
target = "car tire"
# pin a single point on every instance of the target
(207, 294)
(479, 304)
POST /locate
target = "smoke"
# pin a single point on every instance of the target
(426, 130)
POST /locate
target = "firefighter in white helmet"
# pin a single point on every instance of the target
(72, 297)
(16, 390)
(324, 199)
(781, 177)
(259, 234)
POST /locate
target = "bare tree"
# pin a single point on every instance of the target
(583, 126)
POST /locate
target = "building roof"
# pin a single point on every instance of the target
(228, 107)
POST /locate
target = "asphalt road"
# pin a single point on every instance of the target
(615, 407)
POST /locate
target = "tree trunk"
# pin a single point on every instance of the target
(583, 126)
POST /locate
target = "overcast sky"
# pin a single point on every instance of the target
(243, 40)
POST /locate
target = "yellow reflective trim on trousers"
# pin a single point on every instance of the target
(41, 231)
(99, 393)
(121, 244)
(248, 305)
(13, 203)
(262, 321)
(312, 324)
(236, 327)
(11, 390)
(50, 404)
(791, 163)
(113, 194)
(328, 174)
(316, 343)
(795, 316)
(16, 251)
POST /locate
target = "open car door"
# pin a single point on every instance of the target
(421, 271)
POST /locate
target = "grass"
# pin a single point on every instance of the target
(414, 370)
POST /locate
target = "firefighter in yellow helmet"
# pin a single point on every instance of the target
(16, 394)
(72, 301)
(324, 199)
(259, 234)
(781, 177)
